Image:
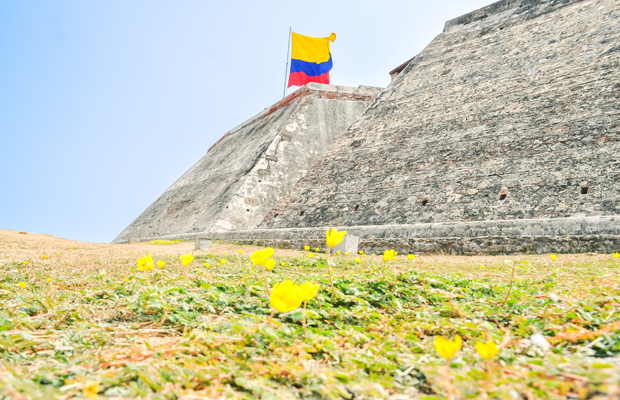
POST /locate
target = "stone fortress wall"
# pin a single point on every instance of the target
(245, 174)
(500, 136)
(511, 114)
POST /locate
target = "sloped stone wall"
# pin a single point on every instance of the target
(254, 165)
(512, 113)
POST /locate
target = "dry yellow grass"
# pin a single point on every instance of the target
(21, 246)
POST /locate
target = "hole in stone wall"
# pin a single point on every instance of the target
(585, 189)
(301, 213)
(423, 201)
(503, 196)
(227, 207)
(356, 207)
(247, 210)
(259, 180)
(501, 28)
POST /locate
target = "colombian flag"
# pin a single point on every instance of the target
(311, 60)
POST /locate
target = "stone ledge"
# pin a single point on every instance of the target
(492, 245)
(498, 7)
(335, 92)
(571, 235)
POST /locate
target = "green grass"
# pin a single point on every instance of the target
(162, 335)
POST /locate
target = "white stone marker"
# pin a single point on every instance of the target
(203, 244)
(348, 245)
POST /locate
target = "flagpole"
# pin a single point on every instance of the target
(288, 49)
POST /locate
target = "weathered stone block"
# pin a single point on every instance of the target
(203, 244)
(348, 245)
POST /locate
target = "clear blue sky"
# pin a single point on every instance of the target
(104, 104)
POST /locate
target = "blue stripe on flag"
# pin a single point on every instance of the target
(310, 68)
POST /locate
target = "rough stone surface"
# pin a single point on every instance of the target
(253, 166)
(511, 114)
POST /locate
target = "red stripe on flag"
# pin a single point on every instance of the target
(300, 79)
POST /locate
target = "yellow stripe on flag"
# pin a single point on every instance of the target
(311, 49)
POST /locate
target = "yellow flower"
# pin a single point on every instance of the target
(373, 254)
(616, 255)
(310, 290)
(26, 262)
(334, 237)
(44, 257)
(448, 348)
(70, 249)
(482, 267)
(206, 264)
(269, 264)
(388, 255)
(222, 261)
(22, 285)
(126, 279)
(240, 251)
(186, 259)
(553, 257)
(338, 252)
(361, 251)
(286, 296)
(145, 263)
(357, 259)
(160, 264)
(317, 249)
(306, 247)
(49, 279)
(410, 256)
(486, 350)
(102, 272)
(283, 263)
(260, 257)
(346, 254)
(90, 390)
(58, 254)
(310, 255)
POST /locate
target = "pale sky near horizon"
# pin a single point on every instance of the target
(105, 104)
